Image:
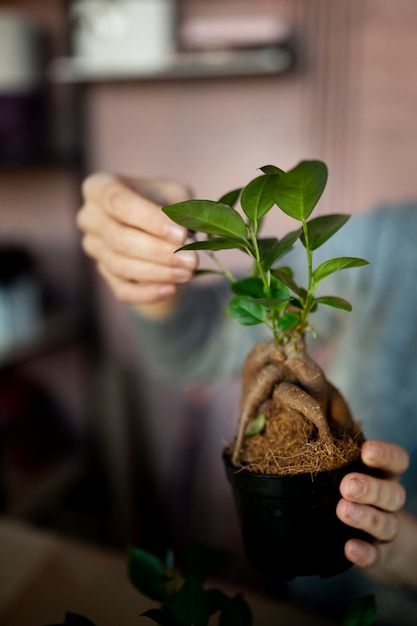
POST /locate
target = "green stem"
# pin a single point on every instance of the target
(310, 283)
(266, 280)
(227, 273)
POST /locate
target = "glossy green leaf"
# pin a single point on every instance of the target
(201, 561)
(190, 605)
(231, 197)
(251, 286)
(207, 272)
(256, 426)
(334, 265)
(362, 612)
(245, 311)
(161, 617)
(257, 197)
(288, 321)
(335, 302)
(278, 250)
(206, 216)
(297, 191)
(271, 169)
(147, 574)
(320, 229)
(289, 281)
(217, 243)
(237, 612)
(273, 303)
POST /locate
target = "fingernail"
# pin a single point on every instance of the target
(181, 274)
(356, 487)
(176, 234)
(166, 290)
(372, 453)
(352, 511)
(187, 259)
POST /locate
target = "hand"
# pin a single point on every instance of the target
(372, 504)
(133, 242)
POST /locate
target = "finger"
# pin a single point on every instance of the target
(114, 242)
(128, 207)
(135, 270)
(361, 553)
(137, 293)
(389, 457)
(381, 525)
(388, 495)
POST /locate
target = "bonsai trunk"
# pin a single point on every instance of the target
(308, 428)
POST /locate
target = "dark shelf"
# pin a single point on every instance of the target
(267, 61)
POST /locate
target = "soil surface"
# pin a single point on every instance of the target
(290, 445)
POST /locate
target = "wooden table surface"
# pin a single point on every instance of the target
(42, 575)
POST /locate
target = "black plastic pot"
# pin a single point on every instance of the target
(289, 524)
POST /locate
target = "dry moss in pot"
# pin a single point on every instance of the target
(296, 437)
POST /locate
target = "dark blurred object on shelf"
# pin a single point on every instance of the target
(22, 110)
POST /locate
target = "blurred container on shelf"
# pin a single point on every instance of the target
(123, 35)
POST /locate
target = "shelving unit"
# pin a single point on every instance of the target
(264, 61)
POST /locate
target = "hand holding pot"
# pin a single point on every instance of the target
(132, 240)
(373, 505)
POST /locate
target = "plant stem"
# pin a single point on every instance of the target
(310, 283)
(227, 273)
(266, 280)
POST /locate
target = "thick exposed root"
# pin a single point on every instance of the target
(289, 396)
(295, 390)
(266, 380)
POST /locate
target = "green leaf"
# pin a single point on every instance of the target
(271, 169)
(320, 229)
(201, 561)
(273, 303)
(251, 286)
(218, 243)
(190, 605)
(335, 265)
(335, 302)
(147, 574)
(246, 312)
(288, 280)
(206, 216)
(205, 272)
(256, 425)
(288, 321)
(297, 191)
(161, 617)
(257, 197)
(236, 613)
(231, 197)
(279, 249)
(362, 612)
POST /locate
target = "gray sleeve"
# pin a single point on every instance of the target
(199, 343)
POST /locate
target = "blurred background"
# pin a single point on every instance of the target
(204, 92)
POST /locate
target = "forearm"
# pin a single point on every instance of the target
(397, 564)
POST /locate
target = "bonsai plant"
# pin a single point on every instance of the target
(295, 431)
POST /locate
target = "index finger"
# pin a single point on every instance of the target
(388, 457)
(131, 208)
